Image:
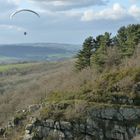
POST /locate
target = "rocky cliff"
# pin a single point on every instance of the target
(104, 123)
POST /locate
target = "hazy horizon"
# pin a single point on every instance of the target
(22, 43)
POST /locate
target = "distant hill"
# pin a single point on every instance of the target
(37, 52)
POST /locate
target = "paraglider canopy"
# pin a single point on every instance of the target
(23, 10)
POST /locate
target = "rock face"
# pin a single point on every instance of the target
(106, 123)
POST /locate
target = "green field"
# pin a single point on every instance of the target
(8, 67)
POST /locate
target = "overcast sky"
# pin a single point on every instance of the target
(64, 21)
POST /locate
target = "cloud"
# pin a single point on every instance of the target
(11, 27)
(17, 2)
(7, 5)
(62, 5)
(134, 1)
(114, 13)
(135, 11)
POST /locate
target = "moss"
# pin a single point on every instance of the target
(136, 77)
(19, 117)
(71, 110)
(138, 126)
(59, 96)
(113, 77)
(53, 113)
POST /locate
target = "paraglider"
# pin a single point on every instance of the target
(24, 10)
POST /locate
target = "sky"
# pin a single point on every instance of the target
(64, 21)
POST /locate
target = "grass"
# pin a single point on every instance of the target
(7, 67)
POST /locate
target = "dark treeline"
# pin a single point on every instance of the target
(107, 50)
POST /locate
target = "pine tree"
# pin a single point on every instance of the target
(84, 55)
(128, 38)
(102, 43)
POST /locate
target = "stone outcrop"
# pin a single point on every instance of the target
(104, 123)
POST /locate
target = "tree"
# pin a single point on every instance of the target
(102, 43)
(128, 38)
(84, 55)
(99, 51)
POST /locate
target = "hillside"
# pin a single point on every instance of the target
(37, 52)
(19, 81)
(27, 86)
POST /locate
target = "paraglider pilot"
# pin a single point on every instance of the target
(25, 33)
